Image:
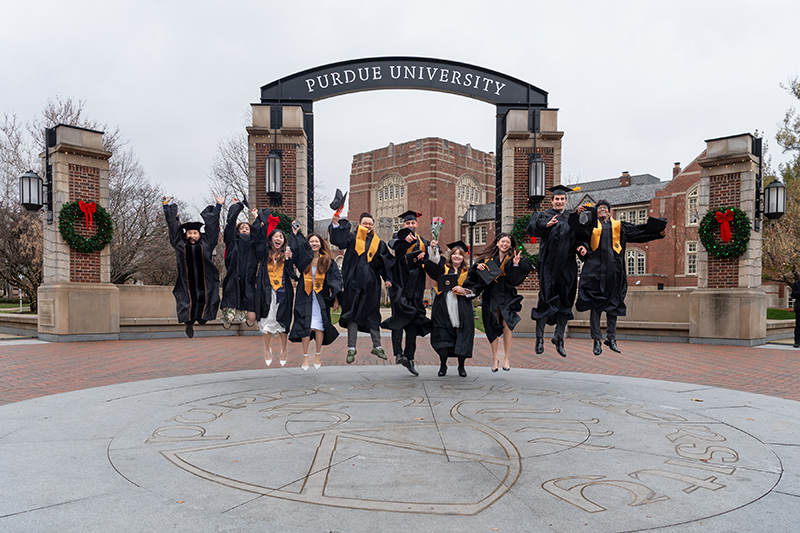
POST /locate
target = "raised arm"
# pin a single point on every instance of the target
(173, 222)
(230, 225)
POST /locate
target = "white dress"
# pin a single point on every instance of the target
(316, 312)
(270, 325)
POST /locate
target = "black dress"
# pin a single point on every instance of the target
(447, 340)
(361, 274)
(238, 265)
(263, 288)
(197, 286)
(500, 295)
(328, 291)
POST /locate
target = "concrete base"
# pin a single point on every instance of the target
(78, 311)
(730, 315)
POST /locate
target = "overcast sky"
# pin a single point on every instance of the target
(639, 85)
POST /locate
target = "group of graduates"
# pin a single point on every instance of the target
(262, 262)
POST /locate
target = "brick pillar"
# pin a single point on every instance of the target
(77, 300)
(729, 306)
(290, 139)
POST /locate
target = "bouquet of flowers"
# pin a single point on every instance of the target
(437, 223)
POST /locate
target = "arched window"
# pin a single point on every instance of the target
(468, 191)
(692, 213)
(635, 261)
(390, 197)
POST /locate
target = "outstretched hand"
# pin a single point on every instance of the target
(220, 199)
(517, 257)
(165, 200)
(234, 200)
(335, 220)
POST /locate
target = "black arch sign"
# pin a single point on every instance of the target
(356, 75)
(403, 73)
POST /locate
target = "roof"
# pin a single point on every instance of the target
(485, 212)
(642, 189)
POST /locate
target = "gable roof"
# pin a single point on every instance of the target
(642, 189)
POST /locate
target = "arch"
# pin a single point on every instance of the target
(397, 72)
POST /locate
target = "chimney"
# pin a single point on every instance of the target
(676, 169)
(625, 179)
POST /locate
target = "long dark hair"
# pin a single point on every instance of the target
(272, 253)
(324, 253)
(464, 263)
(492, 250)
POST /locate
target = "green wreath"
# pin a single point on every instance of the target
(104, 228)
(740, 233)
(520, 234)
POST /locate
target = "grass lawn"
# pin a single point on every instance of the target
(779, 314)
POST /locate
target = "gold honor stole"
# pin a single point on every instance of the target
(361, 243)
(461, 278)
(316, 281)
(275, 271)
(615, 233)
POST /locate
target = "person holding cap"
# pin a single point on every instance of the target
(558, 269)
(366, 261)
(408, 290)
(197, 285)
(453, 316)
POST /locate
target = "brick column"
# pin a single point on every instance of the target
(729, 306)
(77, 300)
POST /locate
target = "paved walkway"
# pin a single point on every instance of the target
(30, 369)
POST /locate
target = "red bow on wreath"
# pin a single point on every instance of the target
(533, 240)
(725, 224)
(272, 223)
(88, 210)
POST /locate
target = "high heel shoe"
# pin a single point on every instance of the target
(268, 357)
(317, 358)
(282, 359)
(304, 366)
(507, 366)
(495, 364)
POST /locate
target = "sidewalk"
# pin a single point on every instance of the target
(31, 368)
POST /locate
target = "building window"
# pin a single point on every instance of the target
(390, 197)
(642, 216)
(468, 191)
(635, 260)
(692, 214)
(622, 216)
(691, 258)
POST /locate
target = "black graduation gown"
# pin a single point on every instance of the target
(604, 279)
(262, 287)
(558, 271)
(500, 295)
(361, 295)
(197, 286)
(302, 255)
(238, 249)
(408, 290)
(445, 339)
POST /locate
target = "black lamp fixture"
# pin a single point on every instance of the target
(536, 171)
(775, 200)
(471, 216)
(33, 193)
(274, 190)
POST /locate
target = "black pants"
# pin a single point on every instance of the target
(796, 330)
(411, 341)
(561, 324)
(594, 325)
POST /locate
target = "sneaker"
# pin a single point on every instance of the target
(351, 355)
(379, 352)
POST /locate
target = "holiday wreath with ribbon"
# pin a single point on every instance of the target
(93, 216)
(733, 227)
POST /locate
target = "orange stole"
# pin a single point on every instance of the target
(275, 271)
(361, 243)
(316, 281)
(615, 235)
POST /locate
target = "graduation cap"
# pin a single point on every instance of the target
(447, 282)
(338, 200)
(560, 189)
(490, 273)
(403, 233)
(409, 215)
(412, 259)
(459, 244)
(186, 226)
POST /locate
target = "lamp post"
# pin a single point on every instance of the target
(33, 193)
(775, 200)
(472, 217)
(274, 191)
(536, 171)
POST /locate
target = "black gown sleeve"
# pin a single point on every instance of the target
(341, 237)
(302, 254)
(517, 274)
(334, 281)
(173, 225)
(637, 233)
(230, 224)
(210, 217)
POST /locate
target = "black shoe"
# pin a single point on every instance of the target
(611, 343)
(410, 366)
(189, 330)
(462, 372)
(400, 360)
(598, 347)
(796, 346)
(560, 348)
(539, 345)
(442, 371)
